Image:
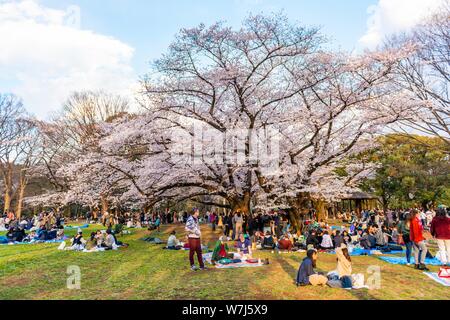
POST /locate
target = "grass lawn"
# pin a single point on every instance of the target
(145, 271)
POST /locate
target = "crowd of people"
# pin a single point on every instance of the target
(45, 226)
(100, 240)
(383, 231)
(372, 230)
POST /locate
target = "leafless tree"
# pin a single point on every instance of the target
(17, 150)
(426, 74)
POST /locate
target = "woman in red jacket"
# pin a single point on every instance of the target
(440, 229)
(419, 244)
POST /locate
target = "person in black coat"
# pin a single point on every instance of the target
(312, 239)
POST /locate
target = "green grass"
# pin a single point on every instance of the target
(145, 271)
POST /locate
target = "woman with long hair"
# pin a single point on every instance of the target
(403, 230)
(306, 274)
(344, 266)
(419, 245)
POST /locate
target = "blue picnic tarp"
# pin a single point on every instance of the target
(402, 261)
(361, 251)
(4, 242)
(76, 228)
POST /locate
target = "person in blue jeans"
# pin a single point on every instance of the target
(403, 230)
(344, 266)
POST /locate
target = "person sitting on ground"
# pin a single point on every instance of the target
(99, 237)
(368, 239)
(326, 243)
(221, 250)
(394, 236)
(380, 237)
(344, 266)
(338, 239)
(16, 234)
(346, 237)
(285, 243)
(110, 241)
(78, 242)
(355, 239)
(258, 237)
(244, 245)
(312, 240)
(92, 242)
(173, 243)
(306, 274)
(269, 242)
(30, 237)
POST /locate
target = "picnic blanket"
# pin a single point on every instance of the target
(76, 228)
(3, 243)
(361, 251)
(242, 264)
(153, 240)
(402, 261)
(434, 276)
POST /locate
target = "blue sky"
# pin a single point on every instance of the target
(150, 25)
(51, 48)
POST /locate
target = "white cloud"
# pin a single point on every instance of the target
(391, 16)
(44, 56)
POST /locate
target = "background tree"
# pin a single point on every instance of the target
(410, 172)
(426, 74)
(17, 150)
(323, 106)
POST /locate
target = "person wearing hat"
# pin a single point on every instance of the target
(344, 266)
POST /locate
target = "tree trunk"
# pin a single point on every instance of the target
(21, 194)
(241, 204)
(299, 207)
(19, 206)
(7, 179)
(104, 203)
(320, 207)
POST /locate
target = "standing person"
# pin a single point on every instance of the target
(158, 223)
(403, 230)
(220, 222)
(226, 224)
(195, 245)
(440, 229)
(238, 222)
(212, 220)
(419, 245)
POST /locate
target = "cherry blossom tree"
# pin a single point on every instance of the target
(219, 89)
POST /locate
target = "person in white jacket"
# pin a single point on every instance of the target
(327, 242)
